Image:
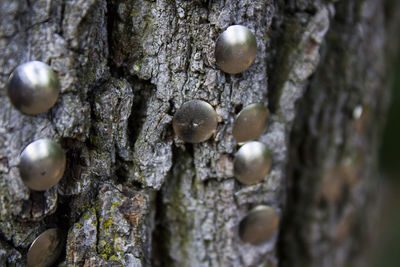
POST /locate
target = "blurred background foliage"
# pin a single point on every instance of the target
(389, 160)
(386, 247)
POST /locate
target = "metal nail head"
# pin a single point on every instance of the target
(236, 49)
(33, 87)
(259, 225)
(46, 248)
(195, 121)
(250, 122)
(42, 164)
(252, 163)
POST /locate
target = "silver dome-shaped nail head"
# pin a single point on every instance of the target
(259, 225)
(42, 164)
(250, 123)
(252, 163)
(33, 87)
(46, 248)
(195, 121)
(236, 49)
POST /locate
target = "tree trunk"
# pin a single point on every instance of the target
(133, 193)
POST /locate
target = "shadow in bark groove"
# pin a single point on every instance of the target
(285, 36)
(143, 91)
(159, 253)
(161, 235)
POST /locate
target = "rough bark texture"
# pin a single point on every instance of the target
(135, 195)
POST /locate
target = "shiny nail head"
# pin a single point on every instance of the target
(236, 49)
(46, 248)
(42, 164)
(259, 225)
(252, 163)
(33, 88)
(195, 121)
(250, 123)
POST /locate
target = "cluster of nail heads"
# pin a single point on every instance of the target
(235, 51)
(253, 160)
(196, 122)
(33, 88)
(252, 163)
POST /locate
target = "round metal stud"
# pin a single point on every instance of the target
(195, 121)
(259, 225)
(33, 87)
(42, 164)
(250, 123)
(236, 49)
(46, 248)
(252, 162)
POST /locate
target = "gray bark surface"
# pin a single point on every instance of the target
(135, 195)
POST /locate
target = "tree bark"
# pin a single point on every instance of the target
(133, 193)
